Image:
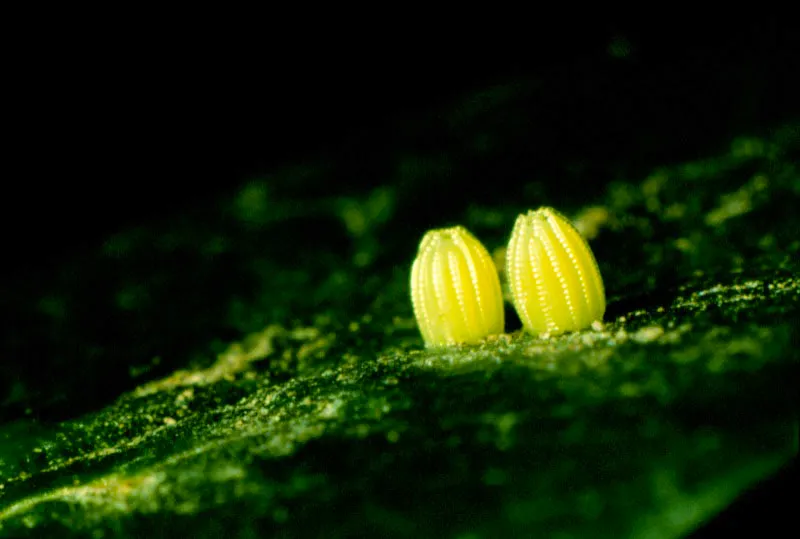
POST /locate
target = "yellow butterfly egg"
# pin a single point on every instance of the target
(553, 276)
(455, 289)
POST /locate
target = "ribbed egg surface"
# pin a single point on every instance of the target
(552, 274)
(455, 289)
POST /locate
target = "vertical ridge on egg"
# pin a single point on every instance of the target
(455, 290)
(552, 274)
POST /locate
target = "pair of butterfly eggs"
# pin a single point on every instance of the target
(552, 275)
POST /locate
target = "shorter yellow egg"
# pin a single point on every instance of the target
(455, 289)
(552, 274)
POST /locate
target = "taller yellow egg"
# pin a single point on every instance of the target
(455, 289)
(552, 274)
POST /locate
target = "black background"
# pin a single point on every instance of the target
(117, 124)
